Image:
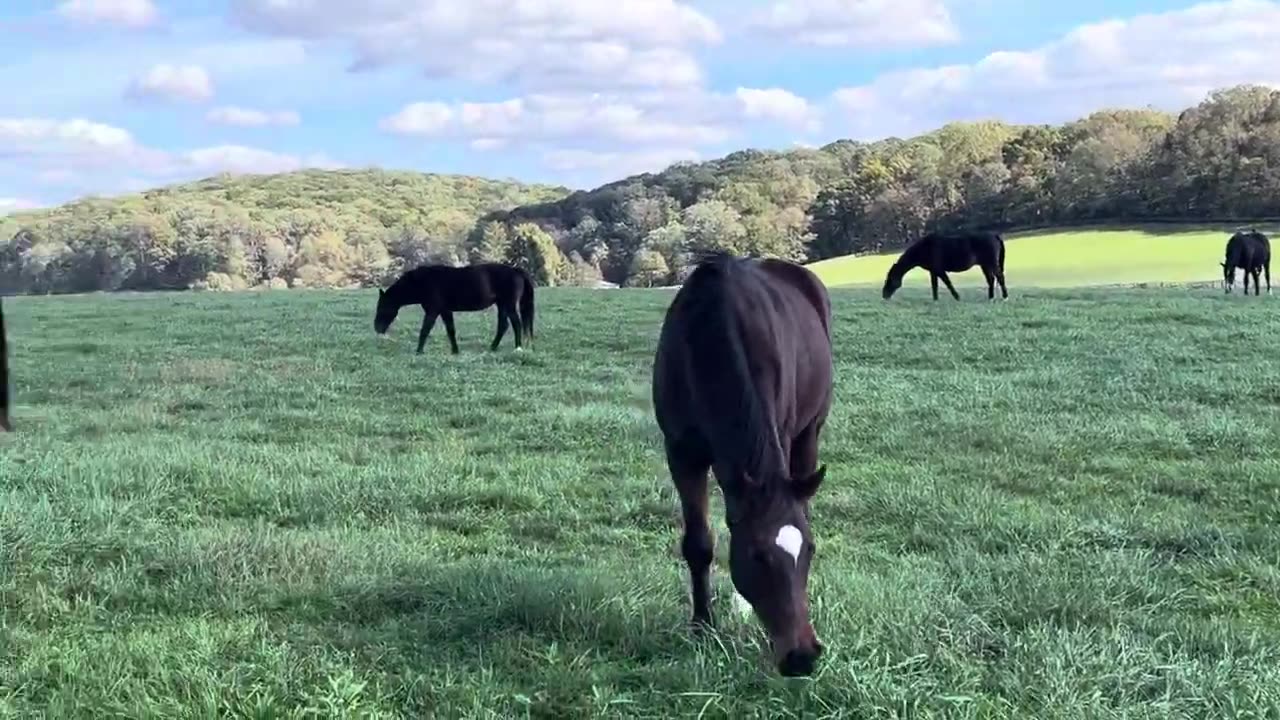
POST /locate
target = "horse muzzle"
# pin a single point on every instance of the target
(801, 659)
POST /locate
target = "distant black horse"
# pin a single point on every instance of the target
(940, 254)
(742, 384)
(1251, 252)
(5, 424)
(441, 290)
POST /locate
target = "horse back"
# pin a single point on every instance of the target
(780, 314)
(1248, 250)
(807, 284)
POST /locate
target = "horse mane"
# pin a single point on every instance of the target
(908, 258)
(718, 360)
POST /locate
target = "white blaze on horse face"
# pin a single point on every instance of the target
(790, 539)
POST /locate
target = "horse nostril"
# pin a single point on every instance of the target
(799, 663)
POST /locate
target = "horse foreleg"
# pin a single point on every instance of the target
(991, 283)
(697, 545)
(1004, 291)
(1267, 269)
(933, 282)
(947, 281)
(502, 329)
(428, 322)
(517, 325)
(448, 328)
(1257, 284)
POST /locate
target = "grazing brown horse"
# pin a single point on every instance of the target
(1250, 251)
(941, 254)
(442, 289)
(5, 423)
(742, 383)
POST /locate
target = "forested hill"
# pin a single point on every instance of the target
(311, 228)
(1217, 161)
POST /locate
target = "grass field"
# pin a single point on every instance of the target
(1064, 259)
(1062, 506)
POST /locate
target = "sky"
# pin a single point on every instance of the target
(114, 96)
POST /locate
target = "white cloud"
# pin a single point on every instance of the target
(858, 23)
(125, 13)
(419, 118)
(534, 44)
(13, 204)
(778, 105)
(79, 156)
(1165, 60)
(238, 159)
(182, 83)
(25, 137)
(247, 117)
(616, 164)
(561, 118)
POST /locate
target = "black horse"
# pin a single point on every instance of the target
(5, 424)
(1251, 252)
(940, 254)
(742, 384)
(441, 290)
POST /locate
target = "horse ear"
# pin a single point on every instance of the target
(806, 488)
(380, 293)
(1224, 265)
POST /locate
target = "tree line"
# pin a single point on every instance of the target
(1217, 160)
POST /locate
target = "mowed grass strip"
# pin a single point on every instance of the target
(1070, 258)
(1066, 505)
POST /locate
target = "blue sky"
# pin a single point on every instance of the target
(110, 96)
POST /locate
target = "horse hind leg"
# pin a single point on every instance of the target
(990, 275)
(448, 328)
(689, 474)
(502, 329)
(517, 324)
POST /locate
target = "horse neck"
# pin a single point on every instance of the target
(406, 292)
(749, 444)
(904, 264)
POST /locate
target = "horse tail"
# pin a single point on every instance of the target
(526, 306)
(4, 376)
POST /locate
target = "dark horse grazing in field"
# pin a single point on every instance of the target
(742, 383)
(1250, 251)
(441, 290)
(5, 424)
(940, 254)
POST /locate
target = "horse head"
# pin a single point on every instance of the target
(770, 549)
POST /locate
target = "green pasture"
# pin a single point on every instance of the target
(1075, 258)
(245, 505)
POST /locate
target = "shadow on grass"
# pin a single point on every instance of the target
(459, 614)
